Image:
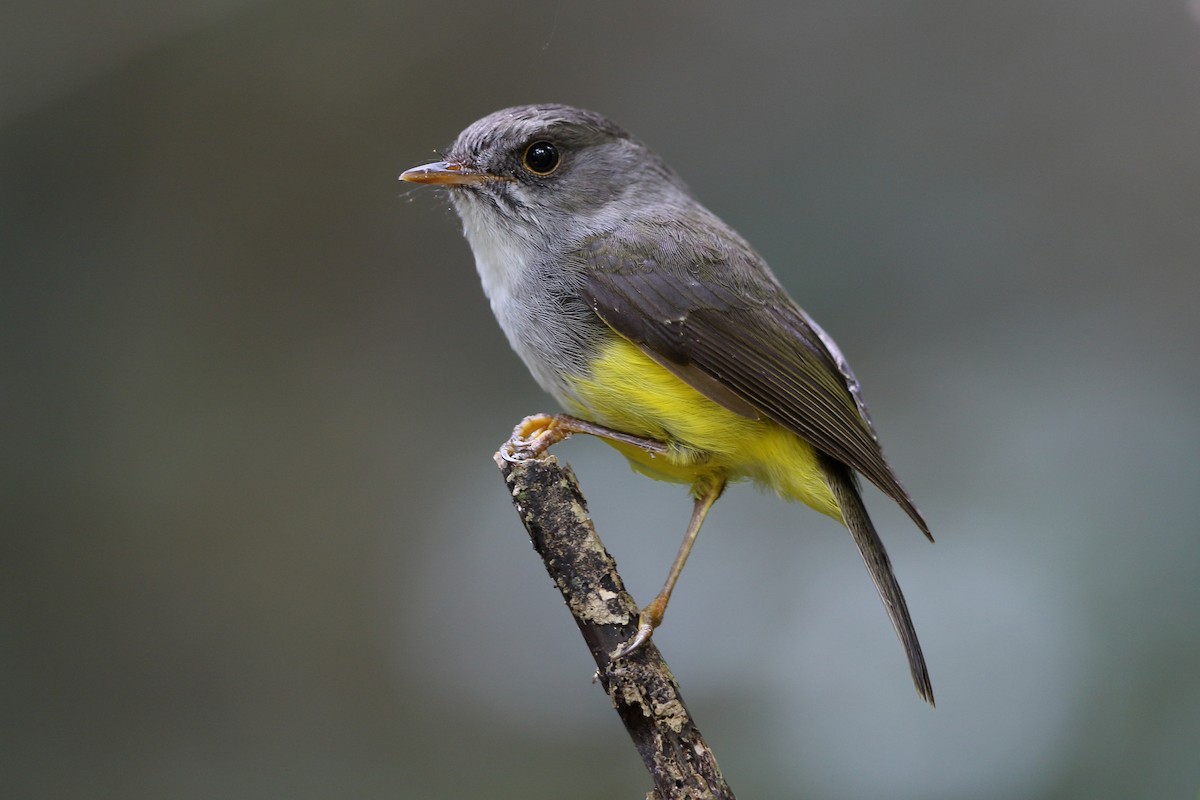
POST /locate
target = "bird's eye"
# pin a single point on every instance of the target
(541, 158)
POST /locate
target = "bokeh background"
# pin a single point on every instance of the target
(253, 542)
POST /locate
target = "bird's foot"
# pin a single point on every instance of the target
(533, 436)
(650, 618)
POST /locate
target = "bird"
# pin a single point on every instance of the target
(658, 328)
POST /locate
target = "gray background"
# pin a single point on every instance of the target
(254, 545)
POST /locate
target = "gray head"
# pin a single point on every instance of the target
(549, 174)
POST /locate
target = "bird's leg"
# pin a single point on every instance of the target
(652, 615)
(535, 434)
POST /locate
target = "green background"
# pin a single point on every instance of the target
(253, 542)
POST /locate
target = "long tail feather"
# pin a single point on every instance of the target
(845, 489)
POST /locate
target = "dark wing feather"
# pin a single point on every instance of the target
(734, 324)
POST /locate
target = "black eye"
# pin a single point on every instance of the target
(541, 158)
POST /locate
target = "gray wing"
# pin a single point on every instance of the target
(734, 331)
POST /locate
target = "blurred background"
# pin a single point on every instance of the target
(254, 545)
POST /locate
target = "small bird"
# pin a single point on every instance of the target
(659, 329)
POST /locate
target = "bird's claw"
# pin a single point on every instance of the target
(644, 632)
(531, 437)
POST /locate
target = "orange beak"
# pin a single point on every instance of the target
(445, 173)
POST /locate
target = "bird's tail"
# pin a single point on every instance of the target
(844, 485)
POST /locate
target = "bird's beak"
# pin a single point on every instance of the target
(445, 173)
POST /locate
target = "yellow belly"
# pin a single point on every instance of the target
(629, 391)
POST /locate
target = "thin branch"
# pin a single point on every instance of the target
(643, 690)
